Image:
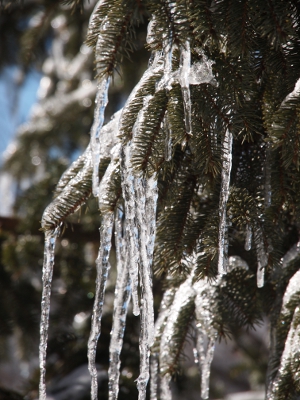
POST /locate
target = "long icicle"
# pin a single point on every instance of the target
(101, 102)
(146, 196)
(122, 296)
(103, 267)
(206, 333)
(160, 321)
(50, 240)
(131, 231)
(224, 194)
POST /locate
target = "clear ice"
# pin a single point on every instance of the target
(101, 102)
(131, 229)
(122, 297)
(248, 238)
(268, 187)
(292, 343)
(185, 65)
(50, 240)
(262, 257)
(224, 194)
(103, 267)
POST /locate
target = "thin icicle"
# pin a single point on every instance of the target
(268, 187)
(224, 194)
(154, 373)
(248, 238)
(185, 65)
(122, 296)
(169, 140)
(161, 319)
(206, 333)
(262, 258)
(101, 102)
(50, 239)
(131, 233)
(103, 267)
(184, 295)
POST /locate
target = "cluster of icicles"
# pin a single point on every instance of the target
(134, 225)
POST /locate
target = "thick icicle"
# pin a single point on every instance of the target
(101, 102)
(50, 239)
(146, 198)
(131, 229)
(262, 258)
(206, 333)
(225, 183)
(248, 238)
(103, 267)
(122, 296)
(185, 65)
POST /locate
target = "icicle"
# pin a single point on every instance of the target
(292, 343)
(225, 183)
(262, 258)
(185, 65)
(103, 267)
(154, 371)
(184, 295)
(168, 143)
(207, 334)
(122, 296)
(268, 187)
(131, 234)
(50, 239)
(248, 238)
(146, 198)
(101, 102)
(161, 319)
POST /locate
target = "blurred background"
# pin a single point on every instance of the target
(47, 92)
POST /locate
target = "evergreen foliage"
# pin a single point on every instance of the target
(242, 83)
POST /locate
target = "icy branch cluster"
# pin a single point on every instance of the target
(127, 192)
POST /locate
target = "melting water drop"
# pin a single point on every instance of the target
(50, 239)
(103, 267)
